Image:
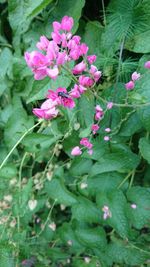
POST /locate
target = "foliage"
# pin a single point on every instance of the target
(53, 205)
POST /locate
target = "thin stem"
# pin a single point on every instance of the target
(132, 179)
(18, 142)
(125, 179)
(104, 13)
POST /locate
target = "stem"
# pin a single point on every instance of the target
(18, 142)
(125, 179)
(132, 178)
(104, 13)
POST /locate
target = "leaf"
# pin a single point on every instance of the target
(5, 62)
(14, 129)
(117, 204)
(144, 146)
(104, 183)
(141, 197)
(91, 237)
(87, 105)
(57, 191)
(8, 171)
(140, 43)
(21, 12)
(121, 162)
(80, 166)
(85, 211)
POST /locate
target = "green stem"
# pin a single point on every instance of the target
(125, 179)
(18, 142)
(104, 13)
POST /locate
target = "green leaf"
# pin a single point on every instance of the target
(85, 211)
(80, 166)
(15, 128)
(57, 191)
(140, 43)
(141, 197)
(91, 237)
(117, 204)
(8, 171)
(5, 62)
(20, 13)
(121, 162)
(144, 146)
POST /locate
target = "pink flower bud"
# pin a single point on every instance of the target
(53, 73)
(129, 85)
(147, 65)
(91, 59)
(109, 105)
(94, 128)
(43, 44)
(85, 142)
(83, 49)
(76, 151)
(108, 130)
(79, 68)
(56, 26)
(90, 152)
(133, 206)
(135, 76)
(106, 138)
(67, 23)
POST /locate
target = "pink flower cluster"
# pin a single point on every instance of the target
(76, 151)
(130, 85)
(52, 57)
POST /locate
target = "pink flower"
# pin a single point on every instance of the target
(75, 92)
(52, 51)
(76, 151)
(47, 111)
(43, 44)
(83, 48)
(56, 36)
(61, 58)
(133, 206)
(95, 128)
(108, 130)
(74, 54)
(106, 138)
(85, 142)
(109, 105)
(56, 26)
(107, 212)
(53, 73)
(77, 39)
(67, 23)
(79, 68)
(147, 65)
(95, 73)
(90, 151)
(85, 81)
(65, 101)
(135, 76)
(91, 59)
(99, 113)
(129, 85)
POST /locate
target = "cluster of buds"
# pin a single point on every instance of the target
(131, 84)
(55, 55)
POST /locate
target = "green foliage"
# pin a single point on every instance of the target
(52, 205)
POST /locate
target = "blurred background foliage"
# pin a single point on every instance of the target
(41, 185)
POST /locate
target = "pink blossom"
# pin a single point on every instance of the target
(56, 26)
(75, 92)
(61, 58)
(94, 128)
(72, 44)
(91, 59)
(90, 151)
(85, 142)
(64, 40)
(147, 65)
(133, 206)
(52, 51)
(65, 101)
(85, 81)
(56, 36)
(110, 105)
(108, 130)
(39, 73)
(79, 68)
(67, 23)
(74, 54)
(135, 76)
(77, 39)
(53, 73)
(82, 89)
(76, 151)
(107, 212)
(106, 138)
(43, 44)
(95, 73)
(99, 113)
(83, 48)
(47, 111)
(129, 85)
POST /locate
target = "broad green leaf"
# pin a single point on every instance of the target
(141, 197)
(87, 106)
(121, 162)
(144, 146)
(5, 62)
(85, 211)
(80, 166)
(8, 171)
(117, 204)
(57, 191)
(140, 43)
(91, 237)
(21, 12)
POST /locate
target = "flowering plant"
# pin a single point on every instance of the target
(75, 173)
